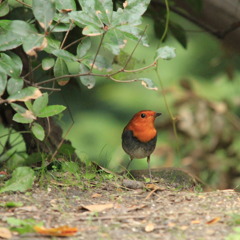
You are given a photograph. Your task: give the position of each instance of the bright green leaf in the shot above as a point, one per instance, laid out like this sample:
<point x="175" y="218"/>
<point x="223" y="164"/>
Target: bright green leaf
<point x="83" y="47"/>
<point x="11" y="204"/>
<point x="38" y="131"/>
<point x="3" y="83"/>
<point x="148" y="83"/>
<point x="17" y="117"/>
<point x="104" y="9"/>
<point x="25" y="94"/>
<point x="60" y="69"/>
<point x="44" y="11"/>
<point x="100" y="63"/>
<point x="166" y="53"/>
<point x="29" y="105"/>
<point x="22" y="179"/>
<point x="14" y="85"/>
<point x="65" y="5"/>
<point x="71" y="167"/>
<point x="4" y="8"/>
<point x="10" y="64"/>
<point x="91" y="30"/>
<point x="18" y="108"/>
<point x="87" y="80"/>
<point x="47" y="63"/>
<point x="34" y="43"/>
<point x="65" y="55"/>
<point x="50" y="111"/>
<point x="40" y="103"/>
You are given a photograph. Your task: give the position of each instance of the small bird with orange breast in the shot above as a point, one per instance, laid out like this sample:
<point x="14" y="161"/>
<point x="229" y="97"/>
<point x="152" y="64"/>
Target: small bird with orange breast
<point x="139" y="137"/>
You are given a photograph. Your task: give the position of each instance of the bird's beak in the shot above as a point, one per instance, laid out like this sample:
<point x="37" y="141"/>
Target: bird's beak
<point x="158" y="114"/>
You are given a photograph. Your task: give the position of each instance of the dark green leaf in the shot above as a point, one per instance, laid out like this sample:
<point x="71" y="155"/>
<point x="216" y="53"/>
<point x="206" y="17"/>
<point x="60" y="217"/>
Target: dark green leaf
<point x="40" y="103"/>
<point x="65" y="55"/>
<point x="14" y="85"/>
<point x="47" y="63"/>
<point x="18" y="108"/>
<point x="3" y="83"/>
<point x="34" y="43"/>
<point x="60" y="69"/>
<point x="13" y="32"/>
<point x="87" y="80"/>
<point x="166" y="53"/>
<point x="10" y="64"/>
<point x="179" y="33"/>
<point x="17" y="117"/>
<point x="148" y="83"/>
<point x="44" y="11"/>
<point x="4" y="8"/>
<point x="25" y="94"/>
<point x="11" y="204"/>
<point x="52" y="110"/>
<point x="38" y="131"/>
<point x="22" y="179"/>
<point x="66" y="149"/>
<point x="71" y="167"/>
<point x="65" y="5"/>
<point x="83" y="47"/>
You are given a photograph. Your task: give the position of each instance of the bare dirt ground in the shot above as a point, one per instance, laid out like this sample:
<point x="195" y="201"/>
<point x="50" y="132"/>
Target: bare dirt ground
<point x="106" y="210"/>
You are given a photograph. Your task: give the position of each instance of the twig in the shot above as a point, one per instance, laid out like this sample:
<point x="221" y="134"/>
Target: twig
<point x="98" y="49"/>
<point x="113" y="217"/>
<point x="23" y="3"/>
<point x="66" y="35"/>
<point x="135" y="47"/>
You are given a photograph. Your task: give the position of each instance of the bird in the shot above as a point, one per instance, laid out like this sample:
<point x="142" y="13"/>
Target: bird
<point x="139" y="137"/>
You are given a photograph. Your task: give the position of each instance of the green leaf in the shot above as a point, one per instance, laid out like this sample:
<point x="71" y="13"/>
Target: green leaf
<point x="10" y="64"/>
<point x="22" y="179"/>
<point x="13" y="32"/>
<point x="25" y="94"/>
<point x="40" y="103"/>
<point x="44" y="11"/>
<point x="82" y="18"/>
<point x="83" y="47"/>
<point x="91" y="30"/>
<point x="87" y="80"/>
<point x="48" y="63"/>
<point x="50" y="111"/>
<point x="53" y="44"/>
<point x="17" y="117"/>
<point x="114" y="41"/>
<point x="38" y="131"/>
<point x="4" y="8"/>
<point x="71" y="167"/>
<point x="60" y="69"/>
<point x="148" y="83"/>
<point x="18" y="108"/>
<point x="11" y="204"/>
<point x="100" y="63"/>
<point x="34" y="43"/>
<point x="104" y="9"/>
<point x="14" y="85"/>
<point x="65" y="5"/>
<point x="65" y="55"/>
<point x="179" y="33"/>
<point x="3" y="83"/>
<point x="166" y="53"/>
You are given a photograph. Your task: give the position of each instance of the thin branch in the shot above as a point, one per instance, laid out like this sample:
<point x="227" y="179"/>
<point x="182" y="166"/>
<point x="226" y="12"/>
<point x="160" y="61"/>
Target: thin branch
<point x="66" y="35"/>
<point x="135" y="47"/>
<point x="139" y="69"/>
<point x="76" y="41"/>
<point x="32" y="70"/>
<point x="98" y="49"/>
<point x="23" y="3"/>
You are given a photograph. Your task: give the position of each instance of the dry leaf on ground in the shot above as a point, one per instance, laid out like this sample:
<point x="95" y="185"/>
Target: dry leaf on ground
<point x="63" y="231"/>
<point x="97" y="207"/>
<point x="5" y="233"/>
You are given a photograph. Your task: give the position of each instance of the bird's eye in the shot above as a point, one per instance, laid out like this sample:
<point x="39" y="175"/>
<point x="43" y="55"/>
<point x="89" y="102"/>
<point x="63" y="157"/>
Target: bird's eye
<point x="143" y="115"/>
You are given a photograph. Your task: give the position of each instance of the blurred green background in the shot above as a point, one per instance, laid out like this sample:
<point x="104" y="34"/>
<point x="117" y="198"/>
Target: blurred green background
<point x="202" y="88"/>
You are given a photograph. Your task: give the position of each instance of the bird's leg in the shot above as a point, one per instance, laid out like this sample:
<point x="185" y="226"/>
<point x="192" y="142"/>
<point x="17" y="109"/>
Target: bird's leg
<point x="129" y="162"/>
<point x="149" y="169"/>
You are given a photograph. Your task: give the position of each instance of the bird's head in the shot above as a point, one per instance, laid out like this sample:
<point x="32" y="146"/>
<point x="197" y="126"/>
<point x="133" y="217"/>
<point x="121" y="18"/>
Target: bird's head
<point x="142" y="125"/>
